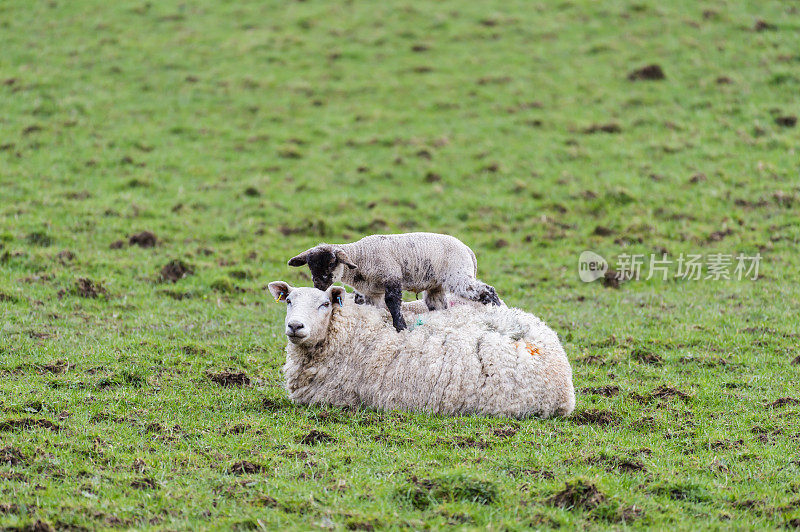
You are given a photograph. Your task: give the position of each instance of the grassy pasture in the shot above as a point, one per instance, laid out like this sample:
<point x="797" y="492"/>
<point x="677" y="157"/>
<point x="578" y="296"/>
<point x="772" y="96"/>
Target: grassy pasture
<point x="241" y="132"/>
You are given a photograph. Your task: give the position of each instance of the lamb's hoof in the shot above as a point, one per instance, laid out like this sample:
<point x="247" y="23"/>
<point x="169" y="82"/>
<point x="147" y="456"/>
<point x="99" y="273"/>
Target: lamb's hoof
<point x="490" y="297"/>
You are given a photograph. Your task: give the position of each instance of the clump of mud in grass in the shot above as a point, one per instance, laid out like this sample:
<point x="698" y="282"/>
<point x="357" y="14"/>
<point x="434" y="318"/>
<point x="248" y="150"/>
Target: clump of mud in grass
<point x="609" y="390"/>
<point x="611" y="127"/>
<point x="246" y="468"/>
<point x="57" y="366"/>
<point x="229" y="378"/>
<point x="784" y="401"/>
<point x="144" y="483"/>
<point x="578" y="494"/>
<point x="423" y="493"/>
<point x="647" y="73"/>
<point x="85" y="287"/>
<point x="315" y="437"/>
<point x="6" y="298"/>
<point x="12" y="456"/>
<point x="175" y="270"/>
<point x="645" y="356"/>
<point x="506" y="431"/>
<point x="595" y="417"/>
<point x="145" y="239"/>
<point x="612" y="279"/>
<point x="668" y="392"/>
<point x="65" y="256"/>
<point x="27" y="423"/>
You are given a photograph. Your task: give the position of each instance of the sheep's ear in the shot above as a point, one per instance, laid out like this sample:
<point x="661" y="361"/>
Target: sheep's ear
<point x="300" y="259"/>
<point x="279" y="290"/>
<point x="342" y="257"/>
<point x="337" y="295"/>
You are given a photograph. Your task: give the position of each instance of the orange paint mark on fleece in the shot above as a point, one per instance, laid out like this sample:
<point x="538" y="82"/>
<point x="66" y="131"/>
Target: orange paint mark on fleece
<point x="532" y="349"/>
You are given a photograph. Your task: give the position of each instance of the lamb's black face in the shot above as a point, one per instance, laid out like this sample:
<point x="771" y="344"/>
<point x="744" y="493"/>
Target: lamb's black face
<point x="322" y="264"/>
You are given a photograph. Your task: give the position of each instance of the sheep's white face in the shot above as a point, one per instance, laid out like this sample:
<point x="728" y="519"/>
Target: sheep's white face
<point x="308" y="310"/>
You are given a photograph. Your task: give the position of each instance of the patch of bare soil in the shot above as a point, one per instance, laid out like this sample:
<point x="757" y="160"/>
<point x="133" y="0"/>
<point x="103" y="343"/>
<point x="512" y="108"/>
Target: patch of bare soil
<point x="229" y="378"/>
<point x="27" y="423"/>
<point x="85" y="287"/>
<point x="7" y="298"/>
<point x="668" y="392"/>
<point x="717" y="236"/>
<point x="12" y="456"/>
<point x="315" y="437"/>
<point x="464" y="442"/>
<point x="506" y="431"/>
<point x="65" y="256"/>
<point x="578" y="494"/>
<point x="57" y="366"/>
<point x="647" y="73"/>
<point x="593" y="360"/>
<point x="784" y="401"/>
<point x="763" y="25"/>
<point x="612" y="279"/>
<point x="175" y="270"/>
<point x="144" y="483"/>
<point x="246" y="468"/>
<point x="645" y="356"/>
<point x="611" y="127"/>
<point x="145" y="239"/>
<point x="595" y="417"/>
<point x="602" y="230"/>
<point x="609" y="390"/>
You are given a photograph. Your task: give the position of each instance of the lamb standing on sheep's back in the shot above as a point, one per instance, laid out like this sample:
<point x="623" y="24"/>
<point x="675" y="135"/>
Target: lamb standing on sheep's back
<point x="380" y="267"/>
<point x="464" y="360"/>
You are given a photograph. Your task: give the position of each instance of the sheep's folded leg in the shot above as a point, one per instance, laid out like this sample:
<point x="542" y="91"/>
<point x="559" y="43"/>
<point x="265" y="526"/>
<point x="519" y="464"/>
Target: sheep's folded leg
<point x="394" y="302"/>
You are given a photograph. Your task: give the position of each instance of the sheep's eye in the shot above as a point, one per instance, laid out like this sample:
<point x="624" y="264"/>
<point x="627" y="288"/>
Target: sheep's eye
<point x="325" y="305"/>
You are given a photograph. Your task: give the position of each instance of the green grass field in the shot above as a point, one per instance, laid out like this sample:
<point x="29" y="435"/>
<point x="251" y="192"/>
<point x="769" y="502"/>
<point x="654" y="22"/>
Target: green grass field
<point x="242" y="132"/>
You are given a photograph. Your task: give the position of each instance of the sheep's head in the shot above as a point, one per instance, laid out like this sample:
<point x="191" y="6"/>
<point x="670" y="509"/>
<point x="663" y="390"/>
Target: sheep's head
<point x="326" y="263"/>
<point x="308" y="310"/>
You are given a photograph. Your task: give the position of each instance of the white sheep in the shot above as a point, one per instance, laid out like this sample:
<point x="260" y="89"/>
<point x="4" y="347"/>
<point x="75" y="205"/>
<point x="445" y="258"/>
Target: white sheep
<point x="463" y="360"/>
<point x="381" y="266"/>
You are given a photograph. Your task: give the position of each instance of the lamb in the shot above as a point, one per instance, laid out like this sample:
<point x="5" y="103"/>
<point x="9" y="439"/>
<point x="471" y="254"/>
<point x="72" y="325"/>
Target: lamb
<point x="483" y="360"/>
<point x="381" y="266"/>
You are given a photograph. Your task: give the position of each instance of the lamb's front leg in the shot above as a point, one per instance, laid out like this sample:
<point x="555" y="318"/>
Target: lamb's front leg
<point x="393" y="296"/>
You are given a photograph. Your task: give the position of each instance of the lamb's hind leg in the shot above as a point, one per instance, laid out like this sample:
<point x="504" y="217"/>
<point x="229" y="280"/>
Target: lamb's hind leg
<point x="476" y="290"/>
<point x="436" y="299"/>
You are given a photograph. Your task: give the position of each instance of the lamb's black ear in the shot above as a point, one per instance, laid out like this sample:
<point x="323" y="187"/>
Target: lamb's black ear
<point x="300" y="259"/>
<point x="337" y="295"/>
<point x="342" y="257"/>
<point x="279" y="290"/>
